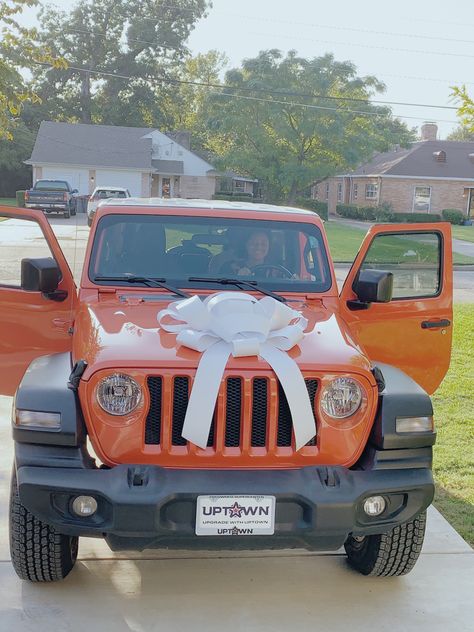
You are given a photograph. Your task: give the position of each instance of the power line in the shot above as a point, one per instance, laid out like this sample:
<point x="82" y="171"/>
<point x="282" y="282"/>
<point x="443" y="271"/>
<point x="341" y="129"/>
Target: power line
<point x="388" y="48"/>
<point x="335" y="27"/>
<point x="269" y="91"/>
<point x="228" y="95"/>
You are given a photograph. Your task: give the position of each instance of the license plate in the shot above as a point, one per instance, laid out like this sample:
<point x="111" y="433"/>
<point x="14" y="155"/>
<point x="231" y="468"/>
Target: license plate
<point x="235" y="515"/>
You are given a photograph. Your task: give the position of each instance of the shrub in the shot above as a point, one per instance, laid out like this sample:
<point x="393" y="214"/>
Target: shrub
<point x="453" y="216"/>
<point x="415" y="218"/>
<point x="321" y="208"/>
<point x="362" y="213"/>
<point x="238" y="197"/>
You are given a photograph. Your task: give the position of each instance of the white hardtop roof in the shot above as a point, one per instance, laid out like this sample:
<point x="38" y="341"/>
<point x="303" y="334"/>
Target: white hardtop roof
<point x="205" y="204"/>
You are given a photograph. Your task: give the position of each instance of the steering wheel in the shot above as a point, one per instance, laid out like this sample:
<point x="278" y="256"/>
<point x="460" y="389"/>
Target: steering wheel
<point x="268" y="267"/>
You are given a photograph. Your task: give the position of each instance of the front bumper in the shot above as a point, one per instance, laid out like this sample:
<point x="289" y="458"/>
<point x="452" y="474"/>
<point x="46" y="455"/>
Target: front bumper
<point x="151" y="507"/>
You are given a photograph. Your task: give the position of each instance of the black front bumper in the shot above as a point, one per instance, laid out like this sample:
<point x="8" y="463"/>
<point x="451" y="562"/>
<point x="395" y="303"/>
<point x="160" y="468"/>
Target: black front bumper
<point x="151" y="507"/>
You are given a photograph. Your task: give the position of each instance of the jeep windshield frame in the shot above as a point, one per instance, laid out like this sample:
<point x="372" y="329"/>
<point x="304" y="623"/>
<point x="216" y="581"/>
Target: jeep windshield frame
<point x="293" y="257"/>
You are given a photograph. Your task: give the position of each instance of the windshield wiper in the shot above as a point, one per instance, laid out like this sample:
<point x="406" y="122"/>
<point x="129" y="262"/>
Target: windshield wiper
<point x="148" y="281"/>
<point x="250" y="285"/>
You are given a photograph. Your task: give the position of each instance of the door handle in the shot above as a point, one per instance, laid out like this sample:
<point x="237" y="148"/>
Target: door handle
<point x="435" y="324"/>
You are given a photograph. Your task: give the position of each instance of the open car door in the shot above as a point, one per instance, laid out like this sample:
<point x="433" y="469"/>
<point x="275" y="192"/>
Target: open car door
<point x="32" y="322"/>
<point x="413" y="330"/>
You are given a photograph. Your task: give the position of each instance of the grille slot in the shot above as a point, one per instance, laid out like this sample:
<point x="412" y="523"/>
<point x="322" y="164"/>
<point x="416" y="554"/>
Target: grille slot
<point x="180" y="405"/>
<point x="233" y="412"/>
<point x="285" y="426"/>
<point x="259" y="412"/>
<point x="153" y="420"/>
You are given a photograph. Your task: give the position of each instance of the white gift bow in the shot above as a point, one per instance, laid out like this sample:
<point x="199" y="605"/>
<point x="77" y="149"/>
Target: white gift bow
<point x="237" y="323"/>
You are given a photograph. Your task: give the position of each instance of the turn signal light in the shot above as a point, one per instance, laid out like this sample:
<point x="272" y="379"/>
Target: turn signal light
<point x="36" y="419"/>
<point x="414" y="424"/>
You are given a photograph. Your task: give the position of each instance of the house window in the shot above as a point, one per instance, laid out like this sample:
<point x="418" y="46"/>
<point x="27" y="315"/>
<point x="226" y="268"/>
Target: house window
<point x="355" y="191"/>
<point x="339" y="191"/>
<point x="327" y="190"/>
<point x="422" y="199"/>
<point x="371" y="191"/>
<point x="315" y="192"/>
<point x="239" y="185"/>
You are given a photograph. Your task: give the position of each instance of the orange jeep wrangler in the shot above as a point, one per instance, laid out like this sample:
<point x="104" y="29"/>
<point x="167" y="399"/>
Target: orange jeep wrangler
<point x="208" y="387"/>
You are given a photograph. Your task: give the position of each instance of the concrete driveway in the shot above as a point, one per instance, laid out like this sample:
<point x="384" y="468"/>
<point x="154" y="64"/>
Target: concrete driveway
<point x="288" y="591"/>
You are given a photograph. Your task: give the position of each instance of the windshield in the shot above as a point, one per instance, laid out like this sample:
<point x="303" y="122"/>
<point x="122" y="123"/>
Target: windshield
<point x="278" y="255"/>
<point x="109" y="193"/>
<point x="51" y="185"/>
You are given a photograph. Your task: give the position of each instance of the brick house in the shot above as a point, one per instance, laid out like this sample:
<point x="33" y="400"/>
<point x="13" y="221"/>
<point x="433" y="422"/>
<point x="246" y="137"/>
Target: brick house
<point x="429" y="176"/>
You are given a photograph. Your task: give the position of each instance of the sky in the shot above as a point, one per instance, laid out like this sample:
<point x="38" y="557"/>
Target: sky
<point x="419" y="49"/>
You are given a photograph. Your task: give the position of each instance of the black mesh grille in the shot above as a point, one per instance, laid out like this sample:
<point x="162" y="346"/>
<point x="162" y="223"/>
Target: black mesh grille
<point x="180" y="404"/>
<point x="259" y="412"/>
<point x="312" y="387"/>
<point x="153" y="420"/>
<point x="233" y="412"/>
<point x="284" y="419"/>
<point x="284" y="416"/>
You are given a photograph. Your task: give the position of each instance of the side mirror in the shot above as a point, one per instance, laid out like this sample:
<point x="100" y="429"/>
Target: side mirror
<point x="74" y="191"/>
<point x="41" y="275"/>
<point x="372" y="286"/>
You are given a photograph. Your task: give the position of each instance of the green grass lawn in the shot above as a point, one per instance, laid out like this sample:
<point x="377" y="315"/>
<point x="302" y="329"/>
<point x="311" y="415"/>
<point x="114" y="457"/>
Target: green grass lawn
<point x="454" y="418"/>
<point x="8" y="201"/>
<point x="344" y="242"/>
<point x="464" y="232"/>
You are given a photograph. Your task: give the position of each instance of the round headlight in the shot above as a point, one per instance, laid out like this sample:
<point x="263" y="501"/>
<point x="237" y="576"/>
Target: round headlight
<point x="341" y="398"/>
<point x="118" y="394"/>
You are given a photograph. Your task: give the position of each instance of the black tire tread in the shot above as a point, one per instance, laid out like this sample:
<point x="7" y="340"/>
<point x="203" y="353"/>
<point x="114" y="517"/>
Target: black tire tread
<point x="389" y="554"/>
<point x="39" y="553"/>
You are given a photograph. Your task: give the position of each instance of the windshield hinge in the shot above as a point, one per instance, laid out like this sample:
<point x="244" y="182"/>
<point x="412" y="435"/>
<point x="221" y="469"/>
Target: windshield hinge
<point x="76" y="374"/>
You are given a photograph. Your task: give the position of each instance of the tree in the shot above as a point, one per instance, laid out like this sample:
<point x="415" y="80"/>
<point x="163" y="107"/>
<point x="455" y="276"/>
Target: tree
<point x="461" y="133"/>
<point x="117" y="51"/>
<point x="465" y="112"/>
<point x="19" y="49"/>
<point x="282" y="120"/>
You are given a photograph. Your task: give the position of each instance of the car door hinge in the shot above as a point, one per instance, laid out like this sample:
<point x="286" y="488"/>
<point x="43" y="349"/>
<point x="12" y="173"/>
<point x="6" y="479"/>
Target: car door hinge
<point x="63" y="325"/>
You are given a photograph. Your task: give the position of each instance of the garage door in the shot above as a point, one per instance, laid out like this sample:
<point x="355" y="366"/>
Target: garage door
<point x="131" y="180"/>
<point x="77" y="178"/>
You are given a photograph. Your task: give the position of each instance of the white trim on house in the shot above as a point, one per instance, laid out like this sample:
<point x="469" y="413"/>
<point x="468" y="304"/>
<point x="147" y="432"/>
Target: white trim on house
<point x="57" y="164"/>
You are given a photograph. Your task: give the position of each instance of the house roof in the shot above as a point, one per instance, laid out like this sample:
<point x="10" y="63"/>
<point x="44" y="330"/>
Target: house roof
<point x="101" y="146"/>
<point x="92" y="145"/>
<point x="419" y="160"/>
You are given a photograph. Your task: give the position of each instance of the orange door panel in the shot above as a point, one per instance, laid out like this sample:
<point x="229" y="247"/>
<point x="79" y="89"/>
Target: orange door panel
<point x="413" y="331"/>
<point x="31" y="325"/>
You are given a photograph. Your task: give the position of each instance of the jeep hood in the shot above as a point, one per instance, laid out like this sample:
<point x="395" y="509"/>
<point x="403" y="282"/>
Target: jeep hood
<point x="119" y="334"/>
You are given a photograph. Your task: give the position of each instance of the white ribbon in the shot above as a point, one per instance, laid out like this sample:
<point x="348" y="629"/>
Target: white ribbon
<point x="237" y="323"/>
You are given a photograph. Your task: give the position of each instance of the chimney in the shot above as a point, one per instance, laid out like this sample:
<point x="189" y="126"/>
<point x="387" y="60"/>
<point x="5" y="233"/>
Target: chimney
<point x="429" y="131"/>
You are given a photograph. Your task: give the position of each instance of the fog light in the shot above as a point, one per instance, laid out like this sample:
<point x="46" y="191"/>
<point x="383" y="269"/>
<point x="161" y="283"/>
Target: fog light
<point x="374" y="505"/>
<point x="84" y="506"/>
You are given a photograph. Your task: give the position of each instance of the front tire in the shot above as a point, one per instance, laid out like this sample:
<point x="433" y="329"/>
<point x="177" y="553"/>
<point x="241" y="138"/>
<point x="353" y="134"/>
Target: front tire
<point x="388" y="554"/>
<point x="66" y="215"/>
<point x="39" y="553"/>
